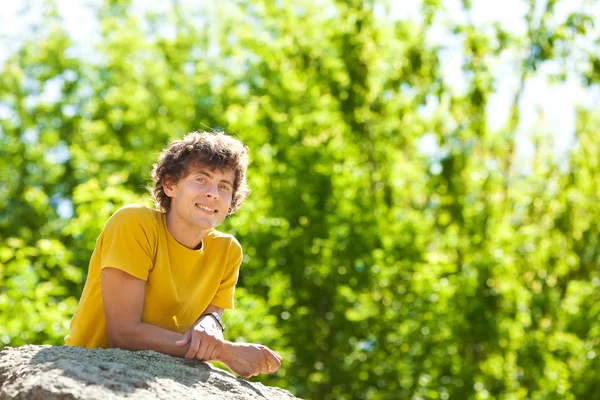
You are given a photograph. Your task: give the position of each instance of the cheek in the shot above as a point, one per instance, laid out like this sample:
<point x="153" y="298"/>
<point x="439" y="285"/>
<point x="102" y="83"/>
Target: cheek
<point x="227" y="201"/>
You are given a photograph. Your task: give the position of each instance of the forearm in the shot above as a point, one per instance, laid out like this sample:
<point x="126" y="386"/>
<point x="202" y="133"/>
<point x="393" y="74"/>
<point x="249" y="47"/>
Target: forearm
<point x="143" y="336"/>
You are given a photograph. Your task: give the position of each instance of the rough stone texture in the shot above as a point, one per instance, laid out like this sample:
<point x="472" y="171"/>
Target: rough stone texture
<point x="47" y="372"/>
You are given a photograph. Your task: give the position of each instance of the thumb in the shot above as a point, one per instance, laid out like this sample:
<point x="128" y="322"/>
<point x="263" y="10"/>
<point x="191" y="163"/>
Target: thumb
<point x="185" y="340"/>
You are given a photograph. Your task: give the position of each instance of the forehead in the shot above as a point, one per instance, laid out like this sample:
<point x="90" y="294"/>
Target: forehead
<point x="221" y="173"/>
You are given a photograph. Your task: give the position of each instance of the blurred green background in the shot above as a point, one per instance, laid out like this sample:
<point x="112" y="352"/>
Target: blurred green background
<point x="424" y="222"/>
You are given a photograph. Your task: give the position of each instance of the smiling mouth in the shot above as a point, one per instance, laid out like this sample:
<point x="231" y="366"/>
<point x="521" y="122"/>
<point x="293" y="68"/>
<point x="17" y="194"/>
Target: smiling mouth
<point x="207" y="209"/>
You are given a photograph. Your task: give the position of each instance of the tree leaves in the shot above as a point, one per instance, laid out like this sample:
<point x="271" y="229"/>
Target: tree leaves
<point x="379" y="264"/>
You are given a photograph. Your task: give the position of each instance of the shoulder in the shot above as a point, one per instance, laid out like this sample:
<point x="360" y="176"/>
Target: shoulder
<point x="135" y="211"/>
<point x="135" y="215"/>
<point x="226" y="240"/>
<point x="228" y="246"/>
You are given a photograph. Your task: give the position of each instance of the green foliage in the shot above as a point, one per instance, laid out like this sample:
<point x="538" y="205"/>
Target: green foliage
<point x="376" y="270"/>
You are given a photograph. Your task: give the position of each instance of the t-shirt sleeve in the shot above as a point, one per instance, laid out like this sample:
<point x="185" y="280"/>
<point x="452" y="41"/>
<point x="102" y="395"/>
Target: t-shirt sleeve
<point x="127" y="242"/>
<point x="224" y="296"/>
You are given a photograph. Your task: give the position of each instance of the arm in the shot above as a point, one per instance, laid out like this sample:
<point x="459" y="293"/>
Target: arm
<point x="123" y="299"/>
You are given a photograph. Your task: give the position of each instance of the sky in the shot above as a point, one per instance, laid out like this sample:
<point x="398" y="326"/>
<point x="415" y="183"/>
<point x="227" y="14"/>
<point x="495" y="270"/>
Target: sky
<point x="545" y="107"/>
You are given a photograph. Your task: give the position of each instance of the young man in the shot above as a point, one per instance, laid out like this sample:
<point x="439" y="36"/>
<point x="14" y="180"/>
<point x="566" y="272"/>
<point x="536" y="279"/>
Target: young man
<point x="160" y="279"/>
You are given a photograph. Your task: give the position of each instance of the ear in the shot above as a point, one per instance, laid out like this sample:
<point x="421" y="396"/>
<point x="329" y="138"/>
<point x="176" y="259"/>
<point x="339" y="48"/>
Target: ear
<point x="168" y="186"/>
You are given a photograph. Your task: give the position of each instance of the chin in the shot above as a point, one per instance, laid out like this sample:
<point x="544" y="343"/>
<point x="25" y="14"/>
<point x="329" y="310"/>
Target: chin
<point x="205" y="224"/>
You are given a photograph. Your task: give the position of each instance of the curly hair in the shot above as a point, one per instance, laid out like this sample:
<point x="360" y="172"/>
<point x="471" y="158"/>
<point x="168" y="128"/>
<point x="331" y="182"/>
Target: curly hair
<point x="214" y="150"/>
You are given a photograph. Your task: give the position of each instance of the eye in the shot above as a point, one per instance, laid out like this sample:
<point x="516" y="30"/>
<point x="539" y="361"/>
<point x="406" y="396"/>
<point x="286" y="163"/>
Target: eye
<point x="225" y="187"/>
<point x="201" y="179"/>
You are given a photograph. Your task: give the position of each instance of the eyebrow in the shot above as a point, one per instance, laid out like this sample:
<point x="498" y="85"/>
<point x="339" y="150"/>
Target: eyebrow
<point x="203" y="172"/>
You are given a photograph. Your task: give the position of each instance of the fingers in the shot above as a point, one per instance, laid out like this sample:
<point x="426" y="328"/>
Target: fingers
<point x="205" y="351"/>
<point x="272" y="358"/>
<point x="185" y="340"/>
<point x="252" y="359"/>
<point x="203" y="345"/>
<point x="210" y="349"/>
<point x="263" y="366"/>
<point x="214" y="353"/>
<point x="255" y="370"/>
<point x="194" y="347"/>
<point x="267" y="357"/>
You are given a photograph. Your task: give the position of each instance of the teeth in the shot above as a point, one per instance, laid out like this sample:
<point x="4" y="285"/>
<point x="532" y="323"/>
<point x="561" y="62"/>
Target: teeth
<point x="205" y="208"/>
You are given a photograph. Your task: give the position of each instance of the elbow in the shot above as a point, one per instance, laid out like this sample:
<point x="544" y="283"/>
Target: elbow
<point x="114" y="342"/>
<point x="120" y="339"/>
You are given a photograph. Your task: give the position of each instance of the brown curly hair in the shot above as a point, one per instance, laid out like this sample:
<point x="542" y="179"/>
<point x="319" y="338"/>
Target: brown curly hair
<point x="214" y="150"/>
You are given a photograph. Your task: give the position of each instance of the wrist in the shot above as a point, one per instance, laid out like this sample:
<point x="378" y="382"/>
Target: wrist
<point x="226" y="352"/>
<point x="216" y="318"/>
<point x="209" y="326"/>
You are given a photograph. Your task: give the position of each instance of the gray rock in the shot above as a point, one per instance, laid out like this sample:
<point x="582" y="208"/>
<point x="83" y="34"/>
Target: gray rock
<point x="49" y="372"/>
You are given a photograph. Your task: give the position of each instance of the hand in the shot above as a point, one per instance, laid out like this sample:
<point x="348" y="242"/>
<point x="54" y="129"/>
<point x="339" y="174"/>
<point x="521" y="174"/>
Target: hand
<point x="249" y="359"/>
<point x="206" y="340"/>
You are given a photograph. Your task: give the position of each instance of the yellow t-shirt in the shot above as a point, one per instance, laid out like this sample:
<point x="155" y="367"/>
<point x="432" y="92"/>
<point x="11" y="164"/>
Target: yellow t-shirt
<point x="180" y="282"/>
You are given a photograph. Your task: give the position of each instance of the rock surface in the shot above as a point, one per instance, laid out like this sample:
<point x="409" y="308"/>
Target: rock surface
<point x="47" y="372"/>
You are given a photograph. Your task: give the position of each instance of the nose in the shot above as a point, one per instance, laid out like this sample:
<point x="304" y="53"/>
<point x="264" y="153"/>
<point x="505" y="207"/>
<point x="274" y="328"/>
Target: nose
<point x="212" y="192"/>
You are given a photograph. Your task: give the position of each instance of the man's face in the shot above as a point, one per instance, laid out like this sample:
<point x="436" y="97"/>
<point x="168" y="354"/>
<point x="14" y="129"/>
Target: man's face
<point x="201" y="200"/>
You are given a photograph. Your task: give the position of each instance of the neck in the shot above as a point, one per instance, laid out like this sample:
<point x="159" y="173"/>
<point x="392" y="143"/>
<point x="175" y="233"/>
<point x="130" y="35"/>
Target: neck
<point x="183" y="233"/>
